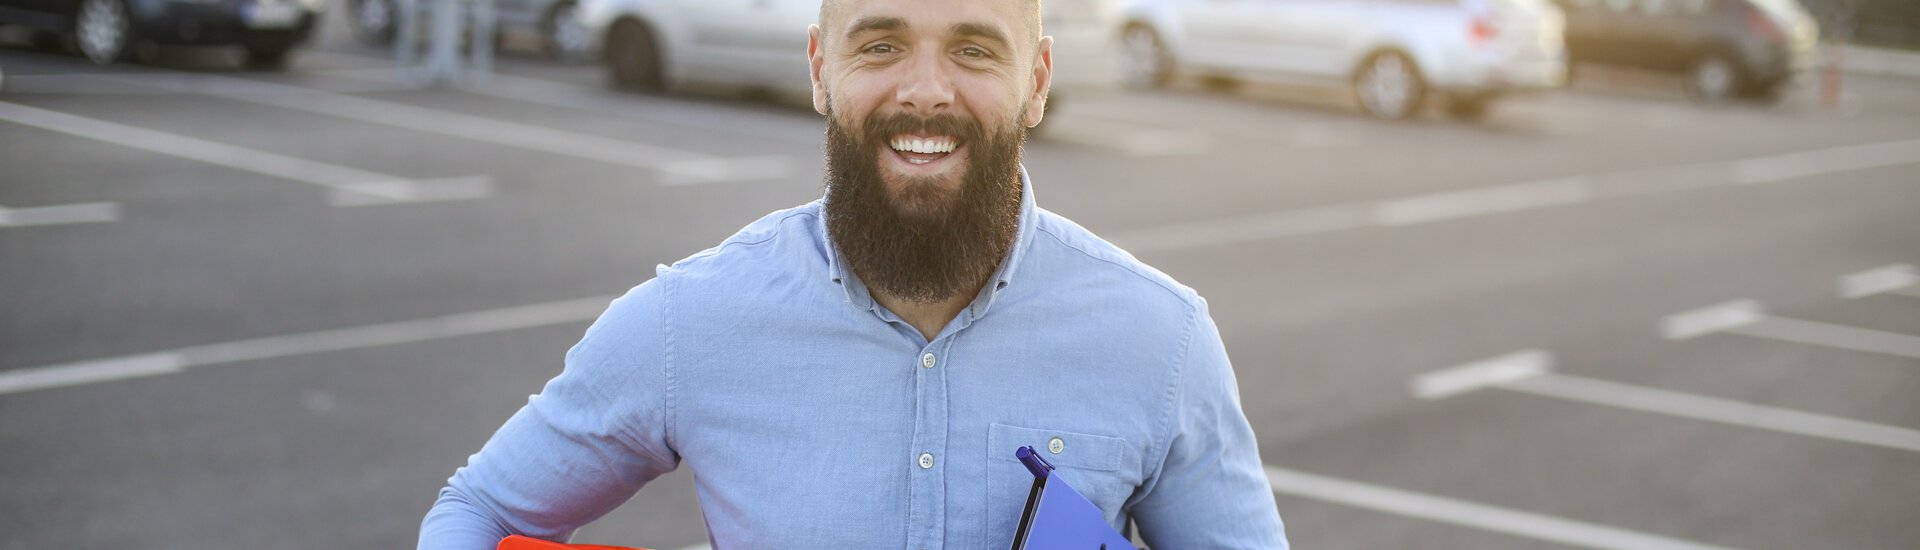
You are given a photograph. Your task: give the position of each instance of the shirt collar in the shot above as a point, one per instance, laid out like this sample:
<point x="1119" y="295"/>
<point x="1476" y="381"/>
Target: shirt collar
<point x="1022" y="238"/>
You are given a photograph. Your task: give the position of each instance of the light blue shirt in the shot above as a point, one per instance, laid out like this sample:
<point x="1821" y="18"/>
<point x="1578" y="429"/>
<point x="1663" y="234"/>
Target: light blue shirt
<point x="812" y="417"/>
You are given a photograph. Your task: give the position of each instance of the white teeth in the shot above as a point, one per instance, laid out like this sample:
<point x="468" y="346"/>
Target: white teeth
<point x="923" y="146"/>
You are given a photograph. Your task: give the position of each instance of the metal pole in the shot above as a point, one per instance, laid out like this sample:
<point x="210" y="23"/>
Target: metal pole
<point x="404" y="41"/>
<point x="482" y="47"/>
<point x="443" y="56"/>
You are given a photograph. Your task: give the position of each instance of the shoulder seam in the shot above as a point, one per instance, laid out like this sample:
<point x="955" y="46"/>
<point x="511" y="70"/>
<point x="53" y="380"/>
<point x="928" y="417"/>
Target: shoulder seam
<point x="737" y="239"/>
<point x="1168" y="285"/>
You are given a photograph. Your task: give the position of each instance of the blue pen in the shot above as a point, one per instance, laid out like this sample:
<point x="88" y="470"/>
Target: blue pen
<point x="1039" y="466"/>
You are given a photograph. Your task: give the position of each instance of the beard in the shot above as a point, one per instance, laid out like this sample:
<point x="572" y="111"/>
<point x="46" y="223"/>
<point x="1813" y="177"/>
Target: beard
<point x="922" y="239"/>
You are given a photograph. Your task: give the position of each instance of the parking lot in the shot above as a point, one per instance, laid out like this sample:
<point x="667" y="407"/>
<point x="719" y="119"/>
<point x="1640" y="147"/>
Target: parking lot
<point x="276" y="310"/>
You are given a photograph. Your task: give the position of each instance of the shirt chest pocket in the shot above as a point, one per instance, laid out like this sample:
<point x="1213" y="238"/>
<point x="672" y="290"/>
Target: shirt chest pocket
<point x="1099" y="467"/>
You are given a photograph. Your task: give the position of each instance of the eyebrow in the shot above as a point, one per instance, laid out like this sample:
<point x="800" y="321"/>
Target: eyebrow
<point x="978" y="30"/>
<point x="875" y="24"/>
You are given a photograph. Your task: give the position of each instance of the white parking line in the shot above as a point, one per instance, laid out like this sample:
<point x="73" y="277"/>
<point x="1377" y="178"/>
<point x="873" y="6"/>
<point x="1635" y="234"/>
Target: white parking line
<point x="1305" y="221"/>
<point x="90" y="212"/>
<point x="1745" y="318"/>
<point x="1469" y="514"/>
<point x="1480" y="374"/>
<point x="1518" y="197"/>
<point x="1724" y="411"/>
<point x="1894" y="279"/>
<point x="676" y="167"/>
<point x="1480" y="202"/>
<point x="1126" y="138"/>
<point x="656" y="110"/>
<point x="384" y="334"/>
<point x="156" y="83"/>
<point x="351" y="187"/>
<point x="1530" y="372"/>
<point x="1833" y="336"/>
<point x="1788" y="166"/>
<point x="1711" y="319"/>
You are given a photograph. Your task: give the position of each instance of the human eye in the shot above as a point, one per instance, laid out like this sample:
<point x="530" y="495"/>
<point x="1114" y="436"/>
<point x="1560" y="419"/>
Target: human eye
<point x="975" y="52"/>
<point x="881" y="48"/>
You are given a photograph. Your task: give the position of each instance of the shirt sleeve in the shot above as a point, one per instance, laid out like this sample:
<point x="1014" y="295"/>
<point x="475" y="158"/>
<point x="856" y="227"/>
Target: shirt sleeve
<point x="1210" y="490"/>
<point x="582" y="446"/>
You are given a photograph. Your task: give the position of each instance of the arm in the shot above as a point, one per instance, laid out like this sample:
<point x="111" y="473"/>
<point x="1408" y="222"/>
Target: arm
<point x="1210" y="490"/>
<point x="578" y="449"/>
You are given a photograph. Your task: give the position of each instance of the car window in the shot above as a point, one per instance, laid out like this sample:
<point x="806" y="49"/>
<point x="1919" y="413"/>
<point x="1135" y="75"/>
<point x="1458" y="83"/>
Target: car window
<point x="1529" y="5"/>
<point x="1657" y="7"/>
<point x="1781" y="10"/>
<point x="1642" y="7"/>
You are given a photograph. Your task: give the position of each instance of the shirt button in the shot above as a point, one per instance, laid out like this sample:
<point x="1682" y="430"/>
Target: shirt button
<point x="927" y="361"/>
<point x="1056" y="445"/>
<point x="926" y="460"/>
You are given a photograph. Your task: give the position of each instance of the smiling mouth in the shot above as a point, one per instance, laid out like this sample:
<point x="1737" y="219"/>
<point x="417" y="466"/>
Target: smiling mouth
<point x="920" y="150"/>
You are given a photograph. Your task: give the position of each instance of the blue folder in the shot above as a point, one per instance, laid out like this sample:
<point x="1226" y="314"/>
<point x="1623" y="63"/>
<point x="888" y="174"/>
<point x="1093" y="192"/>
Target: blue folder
<point x="1057" y="517"/>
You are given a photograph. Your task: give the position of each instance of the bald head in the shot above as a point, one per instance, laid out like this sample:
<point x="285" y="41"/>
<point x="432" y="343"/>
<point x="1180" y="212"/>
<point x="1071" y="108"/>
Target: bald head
<point x="832" y="15"/>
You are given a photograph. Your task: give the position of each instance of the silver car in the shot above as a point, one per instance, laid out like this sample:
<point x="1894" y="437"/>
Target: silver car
<point x="1393" y="54"/>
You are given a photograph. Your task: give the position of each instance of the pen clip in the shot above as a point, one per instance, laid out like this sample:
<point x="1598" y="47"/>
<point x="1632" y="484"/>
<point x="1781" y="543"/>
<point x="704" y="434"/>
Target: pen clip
<point x="1039" y="466"/>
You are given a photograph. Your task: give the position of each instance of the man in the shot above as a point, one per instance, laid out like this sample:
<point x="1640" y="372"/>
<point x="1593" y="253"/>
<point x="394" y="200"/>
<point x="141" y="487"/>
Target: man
<point x="858" y="372"/>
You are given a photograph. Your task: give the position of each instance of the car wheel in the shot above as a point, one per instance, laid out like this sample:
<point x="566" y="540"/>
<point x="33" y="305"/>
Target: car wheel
<point x="1468" y="106"/>
<point x="1144" y="62"/>
<point x="373" y="21"/>
<point x="104" y="30"/>
<point x="1389" y="86"/>
<point x="1714" y="78"/>
<point x="633" y="59"/>
<point x="561" y="35"/>
<point x="267" y="55"/>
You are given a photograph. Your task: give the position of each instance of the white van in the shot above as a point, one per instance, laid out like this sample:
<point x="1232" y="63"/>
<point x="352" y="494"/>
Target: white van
<point x="1392" y="53"/>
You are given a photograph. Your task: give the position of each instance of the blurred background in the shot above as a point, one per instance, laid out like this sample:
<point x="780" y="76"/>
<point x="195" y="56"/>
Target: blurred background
<point x="1493" y="273"/>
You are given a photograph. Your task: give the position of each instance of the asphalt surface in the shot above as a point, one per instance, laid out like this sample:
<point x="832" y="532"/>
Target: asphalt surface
<point x="1344" y="258"/>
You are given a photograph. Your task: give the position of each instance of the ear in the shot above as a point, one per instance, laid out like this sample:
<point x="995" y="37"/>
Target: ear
<point x="1042" y="82"/>
<point x="816" y="58"/>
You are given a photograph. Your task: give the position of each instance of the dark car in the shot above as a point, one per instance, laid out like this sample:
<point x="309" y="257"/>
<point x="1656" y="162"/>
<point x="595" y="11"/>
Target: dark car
<point x="1726" y="48"/>
<point x="111" y="30"/>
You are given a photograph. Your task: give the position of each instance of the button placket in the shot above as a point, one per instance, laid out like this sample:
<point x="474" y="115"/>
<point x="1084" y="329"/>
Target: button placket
<point x="928" y="481"/>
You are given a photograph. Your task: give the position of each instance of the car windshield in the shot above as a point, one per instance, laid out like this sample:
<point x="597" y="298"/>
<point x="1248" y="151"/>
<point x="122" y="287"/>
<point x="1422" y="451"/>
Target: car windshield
<point x="1782" y="10"/>
<point x="1519" y="8"/>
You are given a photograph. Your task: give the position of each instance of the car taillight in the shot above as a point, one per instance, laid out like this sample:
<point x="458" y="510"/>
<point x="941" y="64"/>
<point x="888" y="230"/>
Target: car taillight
<point x="1482" y="31"/>
<point x="1763" y="27"/>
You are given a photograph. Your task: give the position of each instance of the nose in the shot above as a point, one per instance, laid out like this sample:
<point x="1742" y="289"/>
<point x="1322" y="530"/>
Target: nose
<point x="927" y="89"/>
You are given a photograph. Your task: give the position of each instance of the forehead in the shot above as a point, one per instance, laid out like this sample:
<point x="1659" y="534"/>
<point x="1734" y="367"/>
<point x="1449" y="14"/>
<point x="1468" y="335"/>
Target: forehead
<point x="838" y="17"/>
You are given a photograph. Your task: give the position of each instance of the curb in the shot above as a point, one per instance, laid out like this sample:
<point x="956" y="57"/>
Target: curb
<point x="1868" y="60"/>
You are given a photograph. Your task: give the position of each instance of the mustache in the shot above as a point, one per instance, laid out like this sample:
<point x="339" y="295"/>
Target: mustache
<point x="881" y="128"/>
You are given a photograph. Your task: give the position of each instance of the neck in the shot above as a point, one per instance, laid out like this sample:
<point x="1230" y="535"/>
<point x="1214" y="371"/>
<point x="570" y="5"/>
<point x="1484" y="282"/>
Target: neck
<point x="927" y="317"/>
